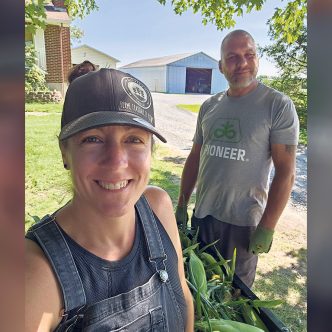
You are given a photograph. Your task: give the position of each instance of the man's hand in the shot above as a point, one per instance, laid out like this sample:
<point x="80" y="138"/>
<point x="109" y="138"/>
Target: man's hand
<point x="261" y="240"/>
<point x="181" y="215"/>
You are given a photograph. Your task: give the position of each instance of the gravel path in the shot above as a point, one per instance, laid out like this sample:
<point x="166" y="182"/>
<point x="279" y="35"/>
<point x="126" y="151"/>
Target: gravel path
<point x="179" y="135"/>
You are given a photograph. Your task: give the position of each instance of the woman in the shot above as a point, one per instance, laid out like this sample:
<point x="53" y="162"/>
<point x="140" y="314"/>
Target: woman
<point x="111" y="259"/>
<point x="80" y="69"/>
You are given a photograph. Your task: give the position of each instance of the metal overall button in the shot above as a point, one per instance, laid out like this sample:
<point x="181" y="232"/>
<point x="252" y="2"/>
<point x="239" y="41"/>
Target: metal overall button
<point x="163" y="275"/>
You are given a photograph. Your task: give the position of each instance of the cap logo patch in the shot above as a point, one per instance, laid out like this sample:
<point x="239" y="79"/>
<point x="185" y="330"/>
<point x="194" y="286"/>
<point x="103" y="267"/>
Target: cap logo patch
<point x="136" y="91"/>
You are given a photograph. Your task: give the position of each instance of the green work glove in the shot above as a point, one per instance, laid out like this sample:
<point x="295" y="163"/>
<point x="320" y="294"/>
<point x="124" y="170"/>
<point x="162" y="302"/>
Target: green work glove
<point x="181" y="215"/>
<point x="261" y="240"/>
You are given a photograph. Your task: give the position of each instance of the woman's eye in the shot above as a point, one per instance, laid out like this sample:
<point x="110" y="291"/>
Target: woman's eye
<point x="91" y="139"/>
<point x="134" y="139"/>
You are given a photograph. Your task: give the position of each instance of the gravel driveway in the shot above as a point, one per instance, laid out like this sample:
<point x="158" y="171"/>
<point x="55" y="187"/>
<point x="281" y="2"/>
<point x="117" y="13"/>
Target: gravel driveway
<point x="178" y="126"/>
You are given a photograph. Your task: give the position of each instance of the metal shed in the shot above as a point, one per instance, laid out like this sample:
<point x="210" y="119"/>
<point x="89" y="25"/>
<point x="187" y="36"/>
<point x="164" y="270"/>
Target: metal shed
<point x="180" y="73"/>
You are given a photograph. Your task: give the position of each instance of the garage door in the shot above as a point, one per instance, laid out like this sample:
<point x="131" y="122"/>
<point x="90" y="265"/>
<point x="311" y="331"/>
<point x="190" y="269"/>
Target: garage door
<point x="198" y="80"/>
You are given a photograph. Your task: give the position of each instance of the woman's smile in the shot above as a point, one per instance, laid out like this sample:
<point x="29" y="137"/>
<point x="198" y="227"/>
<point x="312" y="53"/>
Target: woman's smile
<point x="113" y="186"/>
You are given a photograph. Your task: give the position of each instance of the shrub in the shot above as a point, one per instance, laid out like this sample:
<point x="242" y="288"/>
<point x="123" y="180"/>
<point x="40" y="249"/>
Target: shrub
<point x="34" y="76"/>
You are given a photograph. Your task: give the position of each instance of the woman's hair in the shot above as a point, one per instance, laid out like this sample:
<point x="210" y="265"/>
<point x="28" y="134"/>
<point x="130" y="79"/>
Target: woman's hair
<point x="80" y="69"/>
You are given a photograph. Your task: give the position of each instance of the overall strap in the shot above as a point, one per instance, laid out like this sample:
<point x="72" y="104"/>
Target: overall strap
<point x="56" y="249"/>
<point x="151" y="232"/>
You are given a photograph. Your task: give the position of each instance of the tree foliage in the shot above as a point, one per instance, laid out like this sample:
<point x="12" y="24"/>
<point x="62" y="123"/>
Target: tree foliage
<point x="288" y="21"/>
<point x="290" y="56"/>
<point x="291" y="59"/>
<point x="220" y="13"/>
<point x="75" y="33"/>
<point x="35" y="15"/>
<point x="287" y="24"/>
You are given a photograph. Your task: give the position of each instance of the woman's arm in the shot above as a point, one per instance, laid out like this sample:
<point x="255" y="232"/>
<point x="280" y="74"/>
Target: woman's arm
<point x="162" y="206"/>
<point x="43" y="299"/>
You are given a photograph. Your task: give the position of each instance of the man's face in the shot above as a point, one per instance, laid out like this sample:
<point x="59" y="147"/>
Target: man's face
<point x="239" y="61"/>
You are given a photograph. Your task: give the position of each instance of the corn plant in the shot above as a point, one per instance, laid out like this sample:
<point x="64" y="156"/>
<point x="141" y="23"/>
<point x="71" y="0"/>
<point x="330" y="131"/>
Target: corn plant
<point x="218" y="305"/>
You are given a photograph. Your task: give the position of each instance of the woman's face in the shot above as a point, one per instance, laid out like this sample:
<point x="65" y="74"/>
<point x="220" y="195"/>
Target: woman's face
<point x="110" y="167"/>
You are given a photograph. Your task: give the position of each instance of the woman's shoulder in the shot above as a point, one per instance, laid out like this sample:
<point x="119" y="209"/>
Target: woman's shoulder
<point x="157" y="198"/>
<point x="162" y="206"/>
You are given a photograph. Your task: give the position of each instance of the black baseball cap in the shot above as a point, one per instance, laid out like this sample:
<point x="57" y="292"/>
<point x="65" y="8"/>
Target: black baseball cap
<point x="107" y="97"/>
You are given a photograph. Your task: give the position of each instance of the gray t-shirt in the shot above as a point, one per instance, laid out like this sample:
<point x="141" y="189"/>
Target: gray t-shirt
<point x="236" y="134"/>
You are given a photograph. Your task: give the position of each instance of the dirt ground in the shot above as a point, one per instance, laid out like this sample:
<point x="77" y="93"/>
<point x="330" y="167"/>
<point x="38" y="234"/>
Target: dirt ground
<point x="293" y="218"/>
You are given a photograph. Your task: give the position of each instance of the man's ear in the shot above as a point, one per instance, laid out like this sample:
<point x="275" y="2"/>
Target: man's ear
<point x="220" y="66"/>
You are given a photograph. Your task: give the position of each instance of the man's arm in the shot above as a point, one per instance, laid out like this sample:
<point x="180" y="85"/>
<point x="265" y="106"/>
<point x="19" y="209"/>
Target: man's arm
<point x="284" y="159"/>
<point x="284" y="162"/>
<point x="189" y="175"/>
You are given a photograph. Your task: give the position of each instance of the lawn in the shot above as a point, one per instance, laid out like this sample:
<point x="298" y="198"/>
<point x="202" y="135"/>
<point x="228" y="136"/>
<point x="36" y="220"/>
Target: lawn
<point x="45" y="108"/>
<point x="281" y="273"/>
<point x="189" y="107"/>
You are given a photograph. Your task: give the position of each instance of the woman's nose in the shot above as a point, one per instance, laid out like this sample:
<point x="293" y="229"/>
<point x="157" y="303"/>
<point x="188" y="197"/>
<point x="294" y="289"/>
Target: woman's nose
<point x="114" y="156"/>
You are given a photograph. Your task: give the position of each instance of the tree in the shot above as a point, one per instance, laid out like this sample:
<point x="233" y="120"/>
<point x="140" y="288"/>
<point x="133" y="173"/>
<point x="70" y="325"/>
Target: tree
<point x="76" y="34"/>
<point x="222" y="13"/>
<point x="288" y="22"/>
<point x="35" y="11"/>
<point x="290" y="57"/>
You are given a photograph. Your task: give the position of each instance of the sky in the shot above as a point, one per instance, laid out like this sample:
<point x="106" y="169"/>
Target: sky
<point x="132" y="30"/>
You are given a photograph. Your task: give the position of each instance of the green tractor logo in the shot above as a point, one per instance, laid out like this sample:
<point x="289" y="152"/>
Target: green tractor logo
<point x="226" y="130"/>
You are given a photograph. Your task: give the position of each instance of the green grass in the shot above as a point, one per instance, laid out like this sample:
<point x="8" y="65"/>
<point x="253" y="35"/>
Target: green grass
<point x="47" y="108"/>
<point x="281" y="274"/>
<point x="46" y="184"/>
<point x="303" y="139"/>
<point x="189" y="107"/>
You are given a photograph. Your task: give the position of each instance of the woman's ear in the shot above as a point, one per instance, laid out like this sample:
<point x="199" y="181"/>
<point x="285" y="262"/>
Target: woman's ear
<point x="63" y="150"/>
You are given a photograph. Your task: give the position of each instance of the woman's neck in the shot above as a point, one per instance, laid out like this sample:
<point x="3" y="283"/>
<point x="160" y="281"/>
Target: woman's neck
<point x="107" y="237"/>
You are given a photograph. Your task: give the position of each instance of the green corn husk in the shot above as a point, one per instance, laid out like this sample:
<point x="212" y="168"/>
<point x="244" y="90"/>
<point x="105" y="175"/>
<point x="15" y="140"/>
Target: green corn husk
<point x="266" y="303"/>
<point x="223" y="325"/>
<point x="218" y="306"/>
<point x="198" y="279"/>
<point x="197" y="273"/>
<point x="251" y="317"/>
<point x="185" y="241"/>
<point x="212" y="264"/>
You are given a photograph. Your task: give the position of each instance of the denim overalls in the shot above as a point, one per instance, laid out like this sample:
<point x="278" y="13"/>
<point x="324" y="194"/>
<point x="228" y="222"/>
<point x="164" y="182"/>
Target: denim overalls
<point x="150" y="307"/>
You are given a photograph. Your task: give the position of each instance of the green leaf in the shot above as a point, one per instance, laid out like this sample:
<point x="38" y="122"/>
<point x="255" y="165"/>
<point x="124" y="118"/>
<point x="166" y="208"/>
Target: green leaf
<point x="266" y="304"/>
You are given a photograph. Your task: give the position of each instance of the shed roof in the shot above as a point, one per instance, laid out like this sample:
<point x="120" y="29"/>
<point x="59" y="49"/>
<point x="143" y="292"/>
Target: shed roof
<point x="95" y="50"/>
<point x="165" y="60"/>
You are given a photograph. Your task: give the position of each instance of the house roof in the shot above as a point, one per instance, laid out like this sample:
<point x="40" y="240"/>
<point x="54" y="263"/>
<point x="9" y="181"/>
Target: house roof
<point x="165" y="60"/>
<point x="56" y="14"/>
<point x="94" y="49"/>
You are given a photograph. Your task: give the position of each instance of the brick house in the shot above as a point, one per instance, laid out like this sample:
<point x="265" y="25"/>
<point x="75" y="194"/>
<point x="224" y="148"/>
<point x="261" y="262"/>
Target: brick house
<point x="53" y="45"/>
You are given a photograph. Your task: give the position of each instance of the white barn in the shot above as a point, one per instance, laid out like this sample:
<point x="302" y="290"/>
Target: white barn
<point x="180" y="73"/>
<point x="98" y="58"/>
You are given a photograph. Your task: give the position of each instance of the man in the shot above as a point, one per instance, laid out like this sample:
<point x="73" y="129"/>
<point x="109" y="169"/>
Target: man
<point x="239" y="134"/>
